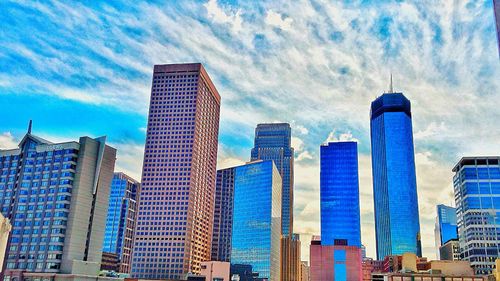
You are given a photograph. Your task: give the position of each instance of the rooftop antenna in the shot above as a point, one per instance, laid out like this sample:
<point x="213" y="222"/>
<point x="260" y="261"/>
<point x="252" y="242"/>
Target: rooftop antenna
<point x="391" y="90"/>
<point x="29" y="126"/>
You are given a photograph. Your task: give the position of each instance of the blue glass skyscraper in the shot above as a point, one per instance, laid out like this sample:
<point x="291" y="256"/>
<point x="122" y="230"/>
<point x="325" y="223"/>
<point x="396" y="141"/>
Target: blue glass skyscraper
<point x="223" y="215"/>
<point x="446" y="225"/>
<point x="273" y="142"/>
<point x="477" y="196"/>
<point x="397" y="223"/>
<point x="120" y="221"/>
<point x="339" y="197"/>
<point x="257" y="218"/>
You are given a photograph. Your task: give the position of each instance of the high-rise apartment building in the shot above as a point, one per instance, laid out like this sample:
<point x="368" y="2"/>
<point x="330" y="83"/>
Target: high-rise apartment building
<point x="397" y="224"/>
<point x="55" y="195"/>
<point x="223" y="215"/>
<point x="339" y="194"/>
<point x="120" y="222"/>
<point x="273" y="142"/>
<point x="257" y="218"/>
<point x="477" y="197"/>
<point x="176" y="202"/>
<point x="445" y="228"/>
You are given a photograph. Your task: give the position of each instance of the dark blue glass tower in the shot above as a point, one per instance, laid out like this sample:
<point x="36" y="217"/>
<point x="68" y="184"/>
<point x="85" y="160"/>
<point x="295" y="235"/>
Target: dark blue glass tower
<point x="446" y="225"/>
<point x="273" y="142"/>
<point x="397" y="223"/>
<point x="339" y="197"/>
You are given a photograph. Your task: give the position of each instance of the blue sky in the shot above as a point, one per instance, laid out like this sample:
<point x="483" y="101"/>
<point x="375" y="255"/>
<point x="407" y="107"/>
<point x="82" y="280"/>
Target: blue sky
<point x="84" y="68"/>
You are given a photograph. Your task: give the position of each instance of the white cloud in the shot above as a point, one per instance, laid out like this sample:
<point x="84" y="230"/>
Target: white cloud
<point x="347" y="136"/>
<point x="276" y="19"/>
<point x="7" y="141"/>
<point x="218" y="15"/>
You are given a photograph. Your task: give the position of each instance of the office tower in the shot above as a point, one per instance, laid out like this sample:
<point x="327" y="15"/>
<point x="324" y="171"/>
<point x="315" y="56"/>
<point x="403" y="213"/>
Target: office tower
<point x="397" y="223"/>
<point x="273" y="142"/>
<point x="223" y="215"/>
<point x="334" y="262"/>
<point x="304" y="271"/>
<point x="450" y="250"/>
<point x="120" y="221"/>
<point x="176" y="202"/>
<point x="446" y="226"/>
<point x="257" y="218"/>
<point x="55" y="195"/>
<point x="477" y="196"/>
<point x="290" y="247"/>
<point x="496" y="10"/>
<point x="339" y="194"/>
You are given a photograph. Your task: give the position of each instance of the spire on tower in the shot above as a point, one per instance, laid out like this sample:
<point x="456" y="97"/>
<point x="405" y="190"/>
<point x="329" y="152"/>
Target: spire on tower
<point x="29" y="126"/>
<point x="391" y="90"/>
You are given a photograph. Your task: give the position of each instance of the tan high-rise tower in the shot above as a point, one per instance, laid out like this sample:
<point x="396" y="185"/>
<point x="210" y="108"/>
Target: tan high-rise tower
<point x="176" y="202"/>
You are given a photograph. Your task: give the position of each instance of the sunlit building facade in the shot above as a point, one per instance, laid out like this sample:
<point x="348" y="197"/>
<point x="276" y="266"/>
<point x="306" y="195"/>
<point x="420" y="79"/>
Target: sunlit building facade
<point x="176" y="202"/>
<point x="120" y="222"/>
<point x="397" y="223"/>
<point x="55" y="195"/>
<point x="339" y="194"/>
<point x="257" y="218"/>
<point x="477" y="197"/>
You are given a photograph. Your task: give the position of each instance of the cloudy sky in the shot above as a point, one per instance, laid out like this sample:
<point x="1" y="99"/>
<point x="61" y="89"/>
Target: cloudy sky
<point x="85" y="67"/>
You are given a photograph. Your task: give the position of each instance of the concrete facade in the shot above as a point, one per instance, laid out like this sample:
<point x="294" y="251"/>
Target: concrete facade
<point x="215" y="270"/>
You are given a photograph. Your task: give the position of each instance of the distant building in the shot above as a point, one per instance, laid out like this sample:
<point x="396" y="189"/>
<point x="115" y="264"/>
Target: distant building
<point x="397" y="223"/>
<point x="450" y="250"/>
<point x="334" y="262"/>
<point x="5" y="228"/>
<point x="445" y="227"/>
<point x="110" y="262"/>
<point x="215" y="270"/>
<point x="223" y="215"/>
<point x="120" y="221"/>
<point x="257" y="218"/>
<point x="55" y="195"/>
<point x="176" y="200"/>
<point x="304" y="271"/>
<point x="339" y="194"/>
<point x="477" y="197"/>
<point x="273" y="142"/>
<point x="290" y="271"/>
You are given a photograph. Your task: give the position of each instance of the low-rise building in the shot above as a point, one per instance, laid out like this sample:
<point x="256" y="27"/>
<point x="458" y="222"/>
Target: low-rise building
<point x="215" y="270"/>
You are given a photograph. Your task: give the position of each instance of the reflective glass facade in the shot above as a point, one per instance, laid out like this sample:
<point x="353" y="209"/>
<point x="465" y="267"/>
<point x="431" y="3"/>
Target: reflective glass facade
<point x="397" y="223"/>
<point x="257" y="218"/>
<point x="273" y="142"/>
<point x="120" y="221"/>
<point x="339" y="194"/>
<point x="223" y="215"/>
<point x="477" y="196"/>
<point x="446" y="225"/>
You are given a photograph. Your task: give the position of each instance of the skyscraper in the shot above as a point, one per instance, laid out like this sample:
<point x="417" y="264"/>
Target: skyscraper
<point x="273" y="142"/>
<point x="445" y="228"/>
<point x="257" y="218"/>
<point x="176" y="201"/>
<point x="290" y="247"/>
<point x="339" y="194"/>
<point x="223" y="215"/>
<point x="120" y="221"/>
<point x="55" y="195"/>
<point x="397" y="222"/>
<point x="477" y="197"/>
